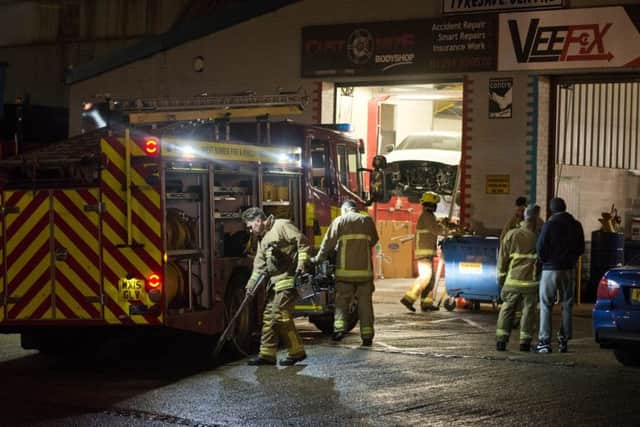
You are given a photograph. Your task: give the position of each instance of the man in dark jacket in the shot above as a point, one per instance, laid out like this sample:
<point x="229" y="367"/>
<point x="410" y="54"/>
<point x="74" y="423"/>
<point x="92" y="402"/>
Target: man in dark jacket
<point x="559" y="245"/>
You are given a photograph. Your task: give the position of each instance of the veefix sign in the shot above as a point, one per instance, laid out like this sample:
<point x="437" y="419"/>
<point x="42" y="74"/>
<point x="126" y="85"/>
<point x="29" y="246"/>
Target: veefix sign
<point x="576" y="38"/>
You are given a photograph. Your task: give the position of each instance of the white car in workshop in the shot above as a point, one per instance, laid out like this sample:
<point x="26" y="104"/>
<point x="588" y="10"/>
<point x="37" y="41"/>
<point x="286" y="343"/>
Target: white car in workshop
<point x="425" y="161"/>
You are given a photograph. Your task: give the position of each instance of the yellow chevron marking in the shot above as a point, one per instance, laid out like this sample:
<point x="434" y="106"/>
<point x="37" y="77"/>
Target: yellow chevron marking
<point x="109" y="233"/>
<point x="77" y="282"/>
<point x="26" y="256"/>
<point x="109" y="317"/>
<point x="154" y="251"/>
<point x="24" y="229"/>
<point x="69" y="301"/>
<point x="112" y="155"/>
<point x="37" y="271"/>
<point x="135" y="148"/>
<point x="75" y="252"/>
<point x="136" y="178"/>
<point x="137" y="207"/>
<point x="127" y="253"/>
<point x="35" y="302"/>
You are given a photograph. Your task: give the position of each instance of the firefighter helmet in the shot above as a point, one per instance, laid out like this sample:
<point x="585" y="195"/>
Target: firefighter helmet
<point x="430" y="197"/>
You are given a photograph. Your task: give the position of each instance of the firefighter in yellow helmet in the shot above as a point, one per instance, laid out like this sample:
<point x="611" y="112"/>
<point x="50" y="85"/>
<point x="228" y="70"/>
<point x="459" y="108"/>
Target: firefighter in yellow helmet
<point x="352" y="235"/>
<point x="282" y="251"/>
<point x="426" y="238"/>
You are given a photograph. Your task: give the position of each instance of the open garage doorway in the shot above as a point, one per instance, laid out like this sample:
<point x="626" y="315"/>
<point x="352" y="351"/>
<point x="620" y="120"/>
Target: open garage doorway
<point x="596" y="165"/>
<point x="418" y="127"/>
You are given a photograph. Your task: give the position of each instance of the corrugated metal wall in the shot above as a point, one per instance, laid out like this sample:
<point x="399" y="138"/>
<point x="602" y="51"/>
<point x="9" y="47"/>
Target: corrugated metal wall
<point x="598" y="124"/>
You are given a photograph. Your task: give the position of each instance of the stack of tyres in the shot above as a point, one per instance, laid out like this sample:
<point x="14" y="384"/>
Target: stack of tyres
<point x="470" y="268"/>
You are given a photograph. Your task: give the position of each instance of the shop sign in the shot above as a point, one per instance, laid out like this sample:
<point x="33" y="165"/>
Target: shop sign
<point x="500" y="98"/>
<point x="471" y="6"/>
<point x="563" y="39"/>
<point x="451" y="44"/>
<point x="498" y="184"/>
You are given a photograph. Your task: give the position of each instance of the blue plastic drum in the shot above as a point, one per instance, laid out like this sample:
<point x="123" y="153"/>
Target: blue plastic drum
<point x="470" y="267"/>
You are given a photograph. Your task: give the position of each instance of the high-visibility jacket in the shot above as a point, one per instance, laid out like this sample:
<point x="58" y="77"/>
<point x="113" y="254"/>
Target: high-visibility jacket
<point x="282" y="250"/>
<point x="352" y="235"/>
<point x="517" y="259"/>
<point x="427" y="231"/>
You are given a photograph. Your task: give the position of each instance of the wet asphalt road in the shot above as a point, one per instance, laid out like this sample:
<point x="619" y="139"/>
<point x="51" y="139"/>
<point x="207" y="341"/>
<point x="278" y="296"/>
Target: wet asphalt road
<point x="424" y="369"/>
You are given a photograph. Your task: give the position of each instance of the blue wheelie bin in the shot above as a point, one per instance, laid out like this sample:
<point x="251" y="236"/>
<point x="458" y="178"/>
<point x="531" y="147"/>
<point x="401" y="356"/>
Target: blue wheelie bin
<point x="470" y="269"/>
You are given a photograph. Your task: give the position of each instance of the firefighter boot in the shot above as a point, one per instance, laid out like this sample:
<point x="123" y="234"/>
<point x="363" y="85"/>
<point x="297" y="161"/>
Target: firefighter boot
<point x="259" y="361"/>
<point x="408" y="303"/>
<point x="427" y="305"/>
<point x="338" y="336"/>
<point x="525" y="346"/>
<point x="501" y="345"/>
<point x="366" y="342"/>
<point x="290" y="360"/>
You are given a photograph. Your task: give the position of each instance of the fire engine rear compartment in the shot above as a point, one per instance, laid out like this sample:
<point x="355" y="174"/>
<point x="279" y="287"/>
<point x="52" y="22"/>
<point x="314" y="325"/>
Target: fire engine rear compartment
<point x="85" y="238"/>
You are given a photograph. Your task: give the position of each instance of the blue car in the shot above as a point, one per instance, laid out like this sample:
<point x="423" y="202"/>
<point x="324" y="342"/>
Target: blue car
<point x="616" y="314"/>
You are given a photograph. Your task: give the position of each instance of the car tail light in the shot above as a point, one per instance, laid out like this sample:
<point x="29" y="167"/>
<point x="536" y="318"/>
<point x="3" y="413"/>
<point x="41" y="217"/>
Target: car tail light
<point x="151" y="146"/>
<point x="607" y="289"/>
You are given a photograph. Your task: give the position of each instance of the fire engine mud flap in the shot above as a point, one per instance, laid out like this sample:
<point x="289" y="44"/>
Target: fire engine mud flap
<point x="245" y="336"/>
<point x="324" y="322"/>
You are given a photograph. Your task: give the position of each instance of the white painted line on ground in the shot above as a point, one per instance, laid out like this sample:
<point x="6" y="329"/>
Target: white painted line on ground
<point x="451" y="319"/>
<point x="476" y="324"/>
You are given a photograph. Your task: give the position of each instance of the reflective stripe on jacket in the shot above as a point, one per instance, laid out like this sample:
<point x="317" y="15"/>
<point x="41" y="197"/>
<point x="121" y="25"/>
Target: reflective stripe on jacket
<point x="427" y="231"/>
<point x="352" y="235"/>
<point x="282" y="250"/>
<point x="517" y="259"/>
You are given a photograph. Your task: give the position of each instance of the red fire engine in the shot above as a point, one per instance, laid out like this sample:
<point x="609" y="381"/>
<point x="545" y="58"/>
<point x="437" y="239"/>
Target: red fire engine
<point x="137" y="225"/>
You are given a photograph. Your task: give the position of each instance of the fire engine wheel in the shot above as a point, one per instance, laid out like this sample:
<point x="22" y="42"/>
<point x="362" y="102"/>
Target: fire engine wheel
<point x="324" y="322"/>
<point x="450" y="304"/>
<point x="243" y="339"/>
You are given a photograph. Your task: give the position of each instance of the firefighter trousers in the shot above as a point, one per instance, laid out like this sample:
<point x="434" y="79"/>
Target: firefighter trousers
<point x="278" y="325"/>
<point x="345" y="292"/>
<point x="424" y="283"/>
<point x="512" y="297"/>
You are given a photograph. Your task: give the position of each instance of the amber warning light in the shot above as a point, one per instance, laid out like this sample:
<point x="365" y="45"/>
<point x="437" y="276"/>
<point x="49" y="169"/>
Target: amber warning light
<point x="151" y="146"/>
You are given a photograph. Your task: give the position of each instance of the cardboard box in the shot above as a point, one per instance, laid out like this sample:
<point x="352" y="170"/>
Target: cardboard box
<point x="396" y="245"/>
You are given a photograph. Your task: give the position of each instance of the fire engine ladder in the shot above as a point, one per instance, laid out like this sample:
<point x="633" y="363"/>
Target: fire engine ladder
<point x="142" y="111"/>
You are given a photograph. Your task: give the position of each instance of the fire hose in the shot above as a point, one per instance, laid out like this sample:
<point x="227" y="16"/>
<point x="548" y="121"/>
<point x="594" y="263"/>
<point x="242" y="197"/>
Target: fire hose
<point x="248" y="296"/>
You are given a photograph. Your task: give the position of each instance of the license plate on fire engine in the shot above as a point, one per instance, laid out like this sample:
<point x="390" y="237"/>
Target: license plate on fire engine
<point x="130" y="289"/>
<point x="635" y="295"/>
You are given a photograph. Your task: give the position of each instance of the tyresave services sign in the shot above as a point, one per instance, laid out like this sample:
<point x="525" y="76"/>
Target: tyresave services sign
<point x="562" y="39"/>
<point x="472" y="6"/>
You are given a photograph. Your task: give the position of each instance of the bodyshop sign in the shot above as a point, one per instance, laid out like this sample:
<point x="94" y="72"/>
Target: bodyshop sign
<point x="579" y="38"/>
<point x="453" y="44"/>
